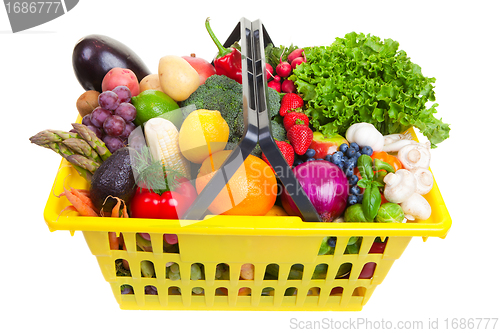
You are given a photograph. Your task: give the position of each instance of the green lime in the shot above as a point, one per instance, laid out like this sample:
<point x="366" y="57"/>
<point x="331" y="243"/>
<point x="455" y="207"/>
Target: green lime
<point x="154" y="103"/>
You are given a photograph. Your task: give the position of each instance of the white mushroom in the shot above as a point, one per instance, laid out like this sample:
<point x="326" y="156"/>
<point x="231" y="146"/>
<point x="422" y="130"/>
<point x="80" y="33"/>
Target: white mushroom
<point x="399" y="186"/>
<point x="416" y="207"/>
<point x="365" y="134"/>
<point x="398" y="145"/>
<point x="415" y="156"/>
<point x="390" y="138"/>
<point x="425" y="180"/>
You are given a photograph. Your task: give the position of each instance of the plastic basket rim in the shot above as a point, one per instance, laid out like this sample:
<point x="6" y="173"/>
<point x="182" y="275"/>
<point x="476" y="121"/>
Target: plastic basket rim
<point x="239" y="225"/>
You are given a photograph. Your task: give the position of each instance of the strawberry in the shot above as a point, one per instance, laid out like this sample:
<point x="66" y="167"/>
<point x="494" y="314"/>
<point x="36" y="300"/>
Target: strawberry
<point x="286" y="150"/>
<point x="291" y="118"/>
<point x="300" y="136"/>
<point x="289" y="102"/>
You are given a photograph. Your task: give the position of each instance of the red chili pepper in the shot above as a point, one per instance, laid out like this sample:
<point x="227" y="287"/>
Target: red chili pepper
<point x="228" y="61"/>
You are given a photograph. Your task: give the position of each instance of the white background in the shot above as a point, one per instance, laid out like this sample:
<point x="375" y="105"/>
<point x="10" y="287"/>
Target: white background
<point x="51" y="281"/>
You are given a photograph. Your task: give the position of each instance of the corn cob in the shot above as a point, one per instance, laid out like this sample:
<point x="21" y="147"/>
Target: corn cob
<point x="162" y="138"/>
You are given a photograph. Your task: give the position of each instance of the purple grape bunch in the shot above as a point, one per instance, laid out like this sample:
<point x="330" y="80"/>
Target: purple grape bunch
<point x="112" y="120"/>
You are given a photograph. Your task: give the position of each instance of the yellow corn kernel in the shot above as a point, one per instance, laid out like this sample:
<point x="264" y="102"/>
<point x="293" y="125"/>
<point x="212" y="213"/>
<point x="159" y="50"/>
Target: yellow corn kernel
<point x="162" y="138"/>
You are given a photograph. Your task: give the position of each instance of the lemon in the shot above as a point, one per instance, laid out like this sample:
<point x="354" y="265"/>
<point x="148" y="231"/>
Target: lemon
<point x="202" y="133"/>
<point x="154" y="103"/>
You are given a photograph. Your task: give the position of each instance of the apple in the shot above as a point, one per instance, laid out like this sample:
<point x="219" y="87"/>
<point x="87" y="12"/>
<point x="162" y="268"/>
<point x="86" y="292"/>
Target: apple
<point x="326" y="145"/>
<point x="203" y="67"/>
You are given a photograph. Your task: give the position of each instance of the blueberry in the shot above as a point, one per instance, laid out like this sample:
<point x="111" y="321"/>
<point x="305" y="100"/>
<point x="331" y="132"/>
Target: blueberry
<point x="356" y="156"/>
<point x="350" y="152"/>
<point x="367" y="150"/>
<point x="356" y="190"/>
<point x="319" y="159"/>
<point x="352" y="199"/>
<point x="351" y="162"/>
<point x="310" y="152"/>
<point x="341" y="164"/>
<point x="332" y="241"/>
<point x="298" y="162"/>
<point x="343" y="147"/>
<point x="328" y="157"/>
<point x="360" y="198"/>
<point x="337" y="157"/>
<point x="349" y="171"/>
<point x="353" y="180"/>
<point x="355" y="146"/>
<point x="310" y="159"/>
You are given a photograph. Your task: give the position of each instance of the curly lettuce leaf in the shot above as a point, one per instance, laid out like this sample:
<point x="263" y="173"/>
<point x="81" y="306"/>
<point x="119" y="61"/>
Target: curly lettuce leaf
<point x="360" y="78"/>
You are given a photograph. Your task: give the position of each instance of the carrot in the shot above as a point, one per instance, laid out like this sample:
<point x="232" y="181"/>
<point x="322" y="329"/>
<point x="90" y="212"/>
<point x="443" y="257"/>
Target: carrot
<point x="114" y="242"/>
<point x="115" y="212"/>
<point x="79" y="205"/>
<point x="125" y="213"/>
<point x="83" y="196"/>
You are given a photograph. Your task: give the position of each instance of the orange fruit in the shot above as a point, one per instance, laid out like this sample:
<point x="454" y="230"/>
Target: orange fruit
<point x="251" y="190"/>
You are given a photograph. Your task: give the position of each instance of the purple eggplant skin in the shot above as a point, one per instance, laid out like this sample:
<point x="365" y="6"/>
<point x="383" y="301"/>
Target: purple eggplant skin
<point x="95" y="55"/>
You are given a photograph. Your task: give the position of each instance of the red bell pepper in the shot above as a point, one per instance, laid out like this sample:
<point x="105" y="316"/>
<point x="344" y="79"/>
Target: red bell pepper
<point x="228" y="61"/>
<point x="168" y="205"/>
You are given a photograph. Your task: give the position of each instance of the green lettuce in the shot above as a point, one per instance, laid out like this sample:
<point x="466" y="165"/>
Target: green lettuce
<point x="360" y="78"/>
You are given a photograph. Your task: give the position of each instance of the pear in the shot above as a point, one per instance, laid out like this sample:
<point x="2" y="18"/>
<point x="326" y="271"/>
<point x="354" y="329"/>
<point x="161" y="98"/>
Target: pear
<point x="178" y="79"/>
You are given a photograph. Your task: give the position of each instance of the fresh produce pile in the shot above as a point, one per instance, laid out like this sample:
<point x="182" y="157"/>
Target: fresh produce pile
<point x="148" y="143"/>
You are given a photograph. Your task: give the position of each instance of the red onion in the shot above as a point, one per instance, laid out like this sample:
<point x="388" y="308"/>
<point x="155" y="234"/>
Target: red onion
<point x="325" y="184"/>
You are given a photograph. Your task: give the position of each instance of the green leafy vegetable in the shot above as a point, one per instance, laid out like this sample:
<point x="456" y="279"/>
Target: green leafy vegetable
<point x="274" y="53"/>
<point x="381" y="165"/>
<point x="365" y="167"/>
<point x="360" y="78"/>
<point x="371" y="201"/>
<point x="371" y="197"/>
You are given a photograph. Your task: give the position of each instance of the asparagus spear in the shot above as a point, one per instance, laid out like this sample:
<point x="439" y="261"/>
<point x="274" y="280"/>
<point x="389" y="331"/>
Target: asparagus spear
<point x="83" y="162"/>
<point x="59" y="148"/>
<point x="97" y="144"/>
<point x="81" y="147"/>
<point x="50" y="136"/>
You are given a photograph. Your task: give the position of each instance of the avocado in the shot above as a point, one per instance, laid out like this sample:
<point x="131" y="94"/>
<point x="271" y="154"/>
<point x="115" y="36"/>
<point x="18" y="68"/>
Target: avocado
<point x="115" y="177"/>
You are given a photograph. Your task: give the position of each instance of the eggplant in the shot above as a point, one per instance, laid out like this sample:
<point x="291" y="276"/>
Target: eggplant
<point x="95" y="55"/>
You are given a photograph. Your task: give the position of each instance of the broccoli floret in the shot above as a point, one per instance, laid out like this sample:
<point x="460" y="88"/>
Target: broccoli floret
<point x="222" y="94"/>
<point x="226" y="95"/>
<point x="273" y="103"/>
<point x="278" y="131"/>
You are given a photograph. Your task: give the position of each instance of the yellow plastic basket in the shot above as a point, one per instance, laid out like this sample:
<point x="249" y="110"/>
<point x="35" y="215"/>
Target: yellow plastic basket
<point x="236" y="240"/>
